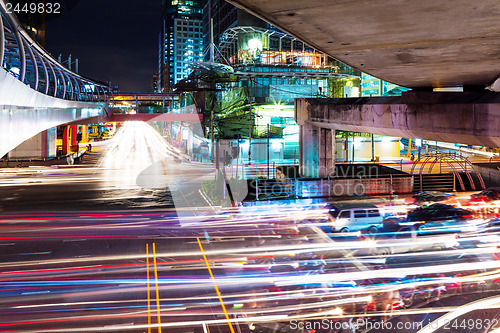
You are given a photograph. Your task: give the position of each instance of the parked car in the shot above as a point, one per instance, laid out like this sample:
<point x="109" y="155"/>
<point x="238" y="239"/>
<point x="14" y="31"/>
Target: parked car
<point x="355" y="216"/>
<point x="438" y="211"/>
<point x="427" y="198"/>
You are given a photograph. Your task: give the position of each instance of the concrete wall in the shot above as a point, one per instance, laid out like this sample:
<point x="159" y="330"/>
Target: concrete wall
<point x="41" y="146"/>
<point x="350" y="187"/>
<point x="490" y="173"/>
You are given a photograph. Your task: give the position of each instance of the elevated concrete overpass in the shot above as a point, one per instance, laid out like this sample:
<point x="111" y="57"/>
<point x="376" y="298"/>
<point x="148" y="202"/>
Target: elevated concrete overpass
<point x="25" y="112"/>
<point x="470" y="118"/>
<point x="37" y="92"/>
<point x="152" y="117"/>
<point x="416" y="44"/>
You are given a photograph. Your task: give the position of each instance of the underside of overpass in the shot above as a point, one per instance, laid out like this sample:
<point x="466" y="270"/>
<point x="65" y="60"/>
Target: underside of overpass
<point x="415" y="44"/>
<point x="25" y="112"/>
<point x="421" y="45"/>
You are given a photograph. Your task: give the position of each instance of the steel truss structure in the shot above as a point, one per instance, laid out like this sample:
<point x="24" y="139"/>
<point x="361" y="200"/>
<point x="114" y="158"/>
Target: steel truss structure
<point x="24" y="59"/>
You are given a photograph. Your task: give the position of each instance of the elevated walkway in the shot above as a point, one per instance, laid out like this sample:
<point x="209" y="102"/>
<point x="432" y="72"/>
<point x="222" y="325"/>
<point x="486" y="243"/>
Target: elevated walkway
<point x="37" y="92"/>
<point x="155" y="117"/>
<point x="25" y="112"/>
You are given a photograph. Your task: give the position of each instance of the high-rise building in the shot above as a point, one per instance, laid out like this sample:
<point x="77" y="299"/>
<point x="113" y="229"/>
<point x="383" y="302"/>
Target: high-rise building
<point x="225" y="16"/>
<point x="181" y="40"/>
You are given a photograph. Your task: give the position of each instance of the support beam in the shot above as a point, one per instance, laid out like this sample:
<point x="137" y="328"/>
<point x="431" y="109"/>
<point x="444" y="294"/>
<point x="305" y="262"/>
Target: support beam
<point x="316" y="151"/>
<point x="326" y="149"/>
<point x="308" y="150"/>
<point x="65" y="140"/>
<point x="73" y="138"/>
<point x="469" y="117"/>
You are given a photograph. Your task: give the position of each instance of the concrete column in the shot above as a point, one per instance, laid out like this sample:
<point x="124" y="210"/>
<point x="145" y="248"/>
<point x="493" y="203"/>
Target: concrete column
<point x="45" y="146"/>
<point x="65" y="140"/>
<point x="85" y="133"/>
<point x="308" y="150"/>
<point x="316" y="151"/>
<point x="309" y="145"/>
<point x="73" y="138"/>
<point x="326" y="152"/>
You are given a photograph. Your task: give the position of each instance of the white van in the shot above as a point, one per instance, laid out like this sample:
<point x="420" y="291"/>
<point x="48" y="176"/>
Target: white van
<point x="355" y="216"/>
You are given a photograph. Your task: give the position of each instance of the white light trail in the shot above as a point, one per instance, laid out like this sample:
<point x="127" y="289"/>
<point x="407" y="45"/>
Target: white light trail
<point x="492" y="302"/>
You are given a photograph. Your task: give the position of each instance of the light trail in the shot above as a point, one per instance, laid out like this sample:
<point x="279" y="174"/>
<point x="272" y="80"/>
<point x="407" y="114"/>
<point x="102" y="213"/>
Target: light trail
<point x="492" y="302"/>
<point x="263" y="258"/>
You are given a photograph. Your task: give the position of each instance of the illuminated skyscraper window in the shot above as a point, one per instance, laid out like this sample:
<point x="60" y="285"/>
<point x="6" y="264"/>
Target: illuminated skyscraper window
<point x="180" y="18"/>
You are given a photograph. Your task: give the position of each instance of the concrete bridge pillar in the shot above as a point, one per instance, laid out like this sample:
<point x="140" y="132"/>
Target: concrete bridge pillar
<point x="69" y="139"/>
<point x="74" y="138"/>
<point x="85" y="133"/>
<point x="316" y="145"/>
<point x="326" y="152"/>
<point x="316" y="151"/>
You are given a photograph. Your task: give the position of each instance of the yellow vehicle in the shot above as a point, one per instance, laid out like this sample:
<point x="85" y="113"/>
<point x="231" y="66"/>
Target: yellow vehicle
<point x="99" y="131"/>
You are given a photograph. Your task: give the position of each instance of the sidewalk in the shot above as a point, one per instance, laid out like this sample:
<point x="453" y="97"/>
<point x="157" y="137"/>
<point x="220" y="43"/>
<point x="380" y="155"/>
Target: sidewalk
<point x="93" y="157"/>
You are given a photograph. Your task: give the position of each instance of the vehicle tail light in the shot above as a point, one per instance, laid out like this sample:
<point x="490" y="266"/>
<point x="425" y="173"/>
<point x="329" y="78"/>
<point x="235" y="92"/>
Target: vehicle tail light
<point x="397" y="305"/>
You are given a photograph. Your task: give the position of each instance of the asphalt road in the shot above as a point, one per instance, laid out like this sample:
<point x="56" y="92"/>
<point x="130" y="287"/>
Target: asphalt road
<point x="76" y="249"/>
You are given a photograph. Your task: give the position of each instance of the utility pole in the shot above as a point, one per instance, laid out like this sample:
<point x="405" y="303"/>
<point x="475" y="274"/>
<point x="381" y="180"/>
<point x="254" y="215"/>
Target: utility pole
<point x="267" y="151"/>
<point x="373" y="150"/>
<point x="217" y="154"/>
<point x="353" y="139"/>
<point x="346" y="146"/>
<point x="250" y="126"/>
<point x="212" y="50"/>
<point x="212" y="135"/>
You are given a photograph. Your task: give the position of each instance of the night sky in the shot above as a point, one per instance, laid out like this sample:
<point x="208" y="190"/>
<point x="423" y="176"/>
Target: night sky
<point x="114" y="40"/>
